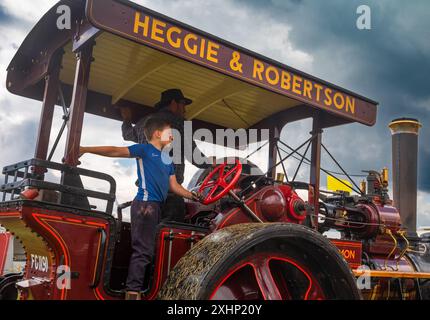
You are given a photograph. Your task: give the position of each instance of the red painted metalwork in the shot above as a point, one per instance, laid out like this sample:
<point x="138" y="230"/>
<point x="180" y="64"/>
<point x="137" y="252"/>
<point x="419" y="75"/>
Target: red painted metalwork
<point x="64" y="251"/>
<point x="270" y="286"/>
<point x="315" y="169"/>
<point x="78" y="105"/>
<point x="351" y="251"/>
<point x="52" y="83"/>
<point x="271" y="204"/>
<point x="240" y="286"/>
<point x="4" y="246"/>
<point x="180" y="240"/>
<point x="59" y="230"/>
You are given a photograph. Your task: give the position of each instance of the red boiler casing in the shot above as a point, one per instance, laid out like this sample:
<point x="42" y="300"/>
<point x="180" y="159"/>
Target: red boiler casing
<point x="376" y="215"/>
<point x="271" y="204"/>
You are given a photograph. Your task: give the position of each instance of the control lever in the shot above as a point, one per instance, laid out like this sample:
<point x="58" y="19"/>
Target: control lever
<point x="243" y="205"/>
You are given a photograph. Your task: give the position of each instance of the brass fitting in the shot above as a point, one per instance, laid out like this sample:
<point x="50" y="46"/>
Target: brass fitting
<point x="280" y="177"/>
<point x="385" y="177"/>
<point x="363" y="187"/>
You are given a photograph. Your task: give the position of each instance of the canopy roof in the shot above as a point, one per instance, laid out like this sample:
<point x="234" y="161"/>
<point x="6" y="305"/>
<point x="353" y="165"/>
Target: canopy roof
<point x="140" y="53"/>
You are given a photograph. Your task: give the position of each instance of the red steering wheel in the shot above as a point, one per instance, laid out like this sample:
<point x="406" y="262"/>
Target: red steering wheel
<point x="219" y="182"/>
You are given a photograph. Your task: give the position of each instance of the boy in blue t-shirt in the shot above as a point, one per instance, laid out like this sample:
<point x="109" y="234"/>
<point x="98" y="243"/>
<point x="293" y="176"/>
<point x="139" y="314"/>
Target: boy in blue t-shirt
<point x="156" y="175"/>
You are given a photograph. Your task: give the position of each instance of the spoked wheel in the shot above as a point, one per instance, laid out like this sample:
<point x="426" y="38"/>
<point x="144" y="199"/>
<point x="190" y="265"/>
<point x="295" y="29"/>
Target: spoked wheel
<point x="262" y="261"/>
<point x="268" y="276"/>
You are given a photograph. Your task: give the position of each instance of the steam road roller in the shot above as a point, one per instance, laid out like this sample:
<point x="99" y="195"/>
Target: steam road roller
<point x="255" y="235"/>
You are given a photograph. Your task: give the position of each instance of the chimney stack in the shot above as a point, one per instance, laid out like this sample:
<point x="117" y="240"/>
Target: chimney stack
<point x="405" y="161"/>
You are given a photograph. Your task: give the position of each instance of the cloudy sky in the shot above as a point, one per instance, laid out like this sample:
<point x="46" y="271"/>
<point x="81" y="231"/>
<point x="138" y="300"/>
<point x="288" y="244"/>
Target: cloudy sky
<point x="389" y="63"/>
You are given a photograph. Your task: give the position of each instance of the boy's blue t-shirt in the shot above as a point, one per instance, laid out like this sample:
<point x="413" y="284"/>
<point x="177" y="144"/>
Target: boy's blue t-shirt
<point x="154" y="169"/>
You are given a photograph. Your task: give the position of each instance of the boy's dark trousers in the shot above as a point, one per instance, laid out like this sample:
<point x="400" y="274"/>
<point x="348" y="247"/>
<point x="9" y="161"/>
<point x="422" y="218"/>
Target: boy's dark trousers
<point x="145" y="217"/>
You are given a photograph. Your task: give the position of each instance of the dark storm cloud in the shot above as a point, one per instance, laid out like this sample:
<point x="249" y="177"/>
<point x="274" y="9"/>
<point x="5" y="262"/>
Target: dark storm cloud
<point x="390" y="64"/>
<point x="17" y="146"/>
<point x="7" y="20"/>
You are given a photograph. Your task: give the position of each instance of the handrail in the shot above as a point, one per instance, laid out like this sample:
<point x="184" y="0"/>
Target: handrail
<point x="119" y="218"/>
<point x="100" y="257"/>
<point x="34" y="180"/>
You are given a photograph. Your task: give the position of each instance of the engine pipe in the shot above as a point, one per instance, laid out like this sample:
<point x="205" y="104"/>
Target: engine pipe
<point x="405" y="160"/>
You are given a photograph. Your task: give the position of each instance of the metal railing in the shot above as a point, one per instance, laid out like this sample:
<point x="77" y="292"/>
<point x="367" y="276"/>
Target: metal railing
<point x="23" y="175"/>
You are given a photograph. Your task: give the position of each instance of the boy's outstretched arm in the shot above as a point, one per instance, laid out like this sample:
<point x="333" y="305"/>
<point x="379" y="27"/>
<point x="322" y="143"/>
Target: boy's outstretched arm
<point x="179" y="190"/>
<point x="111" y="152"/>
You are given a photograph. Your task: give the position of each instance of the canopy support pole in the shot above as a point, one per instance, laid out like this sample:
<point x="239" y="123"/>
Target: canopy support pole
<point x="50" y="98"/>
<point x="315" y="168"/>
<point x="77" y="112"/>
<point x="273" y="150"/>
<point x="77" y="108"/>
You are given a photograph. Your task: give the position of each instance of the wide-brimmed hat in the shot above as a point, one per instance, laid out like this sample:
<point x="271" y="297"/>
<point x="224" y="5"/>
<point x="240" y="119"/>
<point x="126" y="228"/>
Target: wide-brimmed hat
<point x="172" y="94"/>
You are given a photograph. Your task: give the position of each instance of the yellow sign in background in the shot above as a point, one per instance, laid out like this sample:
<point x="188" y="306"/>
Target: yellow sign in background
<point x="334" y="184"/>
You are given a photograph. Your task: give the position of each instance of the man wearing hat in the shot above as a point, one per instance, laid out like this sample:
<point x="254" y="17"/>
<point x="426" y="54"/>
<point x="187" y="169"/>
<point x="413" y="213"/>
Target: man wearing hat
<point x="172" y="109"/>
